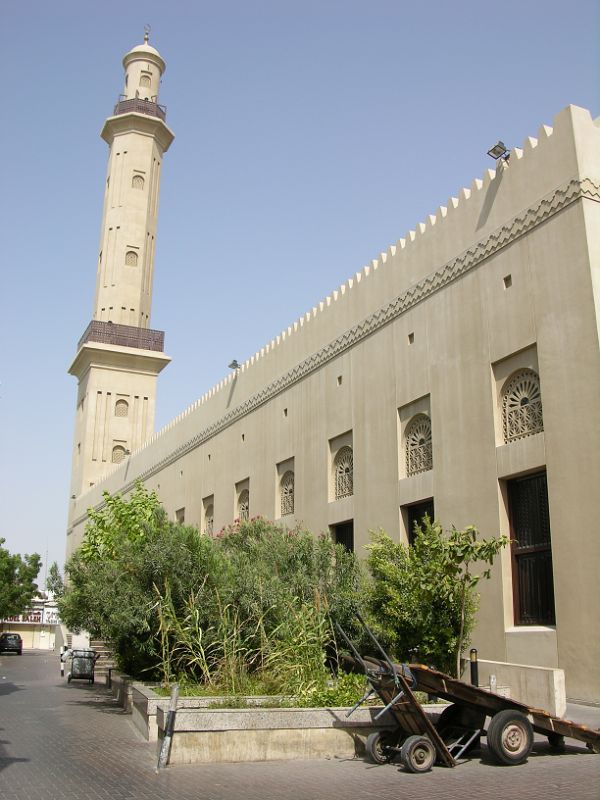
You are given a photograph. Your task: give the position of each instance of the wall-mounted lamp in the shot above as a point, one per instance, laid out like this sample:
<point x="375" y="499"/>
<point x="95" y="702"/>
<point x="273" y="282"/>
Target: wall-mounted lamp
<point x="234" y="364"/>
<point x="499" y="151"/>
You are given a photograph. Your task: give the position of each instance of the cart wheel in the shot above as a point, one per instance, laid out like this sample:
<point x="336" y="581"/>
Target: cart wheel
<point x="418" y="754"/>
<point x="379" y="746"/>
<point x="593" y="747"/>
<point x="510" y="737"/>
<point x="556" y="741"/>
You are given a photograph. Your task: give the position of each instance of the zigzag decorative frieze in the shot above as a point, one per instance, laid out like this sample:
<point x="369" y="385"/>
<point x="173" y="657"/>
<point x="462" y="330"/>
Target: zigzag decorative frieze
<point x="521" y="224"/>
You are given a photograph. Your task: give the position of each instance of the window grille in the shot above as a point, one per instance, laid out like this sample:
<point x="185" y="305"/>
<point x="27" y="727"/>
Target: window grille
<point x="209" y="519"/>
<point x="344" y="473"/>
<point x="522" y="406"/>
<point x="533" y="583"/>
<point x="137" y="182"/>
<point x="244" y="504"/>
<point x="121" y="408"/>
<point x="131" y="258"/>
<point x="145" y="81"/>
<point x="118" y="454"/>
<point x="287" y="493"/>
<point x="419" y="450"/>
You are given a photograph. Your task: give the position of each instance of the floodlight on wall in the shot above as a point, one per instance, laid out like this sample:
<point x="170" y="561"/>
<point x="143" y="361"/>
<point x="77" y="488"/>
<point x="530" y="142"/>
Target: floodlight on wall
<point x="234" y="364"/>
<point x="499" y="151"/>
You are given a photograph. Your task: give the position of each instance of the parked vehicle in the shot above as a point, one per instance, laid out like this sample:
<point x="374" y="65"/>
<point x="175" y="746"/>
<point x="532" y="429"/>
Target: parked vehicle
<point x="11" y="643"/>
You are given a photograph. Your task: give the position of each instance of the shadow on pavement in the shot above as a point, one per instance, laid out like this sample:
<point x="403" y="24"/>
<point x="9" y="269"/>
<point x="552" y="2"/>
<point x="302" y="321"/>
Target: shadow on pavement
<point x="7" y="687"/>
<point x="6" y="760"/>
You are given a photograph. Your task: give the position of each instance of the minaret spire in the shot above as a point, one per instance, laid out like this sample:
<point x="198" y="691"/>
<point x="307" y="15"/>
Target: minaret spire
<point x="119" y="356"/>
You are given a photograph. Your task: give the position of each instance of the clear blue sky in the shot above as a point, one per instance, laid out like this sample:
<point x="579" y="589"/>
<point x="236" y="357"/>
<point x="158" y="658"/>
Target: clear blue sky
<point x="309" y="137"/>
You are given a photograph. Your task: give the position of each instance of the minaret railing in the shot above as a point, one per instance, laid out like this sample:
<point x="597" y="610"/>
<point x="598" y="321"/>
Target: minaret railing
<point x="123" y="336"/>
<point x="138" y="106"/>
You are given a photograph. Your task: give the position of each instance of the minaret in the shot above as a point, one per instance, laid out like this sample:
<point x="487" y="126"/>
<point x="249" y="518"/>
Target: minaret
<point x="119" y="356"/>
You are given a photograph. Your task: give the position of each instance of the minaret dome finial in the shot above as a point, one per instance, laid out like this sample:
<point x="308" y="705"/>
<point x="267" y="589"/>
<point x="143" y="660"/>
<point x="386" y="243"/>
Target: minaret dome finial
<point x="147" y="30"/>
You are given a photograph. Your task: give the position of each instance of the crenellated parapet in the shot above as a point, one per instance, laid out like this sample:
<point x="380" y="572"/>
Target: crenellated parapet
<point x="543" y="177"/>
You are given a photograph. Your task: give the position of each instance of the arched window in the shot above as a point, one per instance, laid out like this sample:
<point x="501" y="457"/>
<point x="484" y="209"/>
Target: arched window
<point x="145" y="81"/>
<point x="343" y="470"/>
<point x="131" y="258"/>
<point x="522" y="406"/>
<point x="118" y="454"/>
<point x="137" y="182"/>
<point x="244" y="504"/>
<point x="287" y="493"/>
<point x="419" y="453"/>
<point x="209" y="518"/>
<point x="121" y="408"/>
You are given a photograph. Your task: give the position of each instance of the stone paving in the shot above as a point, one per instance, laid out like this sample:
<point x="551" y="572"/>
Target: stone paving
<point x="72" y="742"/>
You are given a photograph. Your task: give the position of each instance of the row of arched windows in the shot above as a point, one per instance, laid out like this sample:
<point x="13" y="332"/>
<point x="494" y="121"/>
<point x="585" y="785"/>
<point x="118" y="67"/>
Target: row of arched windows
<point x="521" y="416"/>
<point x="521" y="410"/>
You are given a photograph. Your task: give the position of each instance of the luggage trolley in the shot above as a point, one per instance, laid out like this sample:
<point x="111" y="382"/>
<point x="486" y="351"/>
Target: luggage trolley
<point x="82" y="664"/>
<point x="420" y="743"/>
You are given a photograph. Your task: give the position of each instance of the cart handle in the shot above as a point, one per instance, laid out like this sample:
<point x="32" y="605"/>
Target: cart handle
<point x="405" y="668"/>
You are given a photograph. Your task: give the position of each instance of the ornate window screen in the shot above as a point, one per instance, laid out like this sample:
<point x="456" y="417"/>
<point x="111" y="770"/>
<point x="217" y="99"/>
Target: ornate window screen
<point x="131" y="258"/>
<point x="209" y="519"/>
<point x="343" y="470"/>
<point x="244" y="504"/>
<point x="121" y="408"/>
<point x="137" y="182"/>
<point x="419" y="451"/>
<point x="118" y="454"/>
<point x="145" y="81"/>
<point x="287" y="493"/>
<point x="522" y="406"/>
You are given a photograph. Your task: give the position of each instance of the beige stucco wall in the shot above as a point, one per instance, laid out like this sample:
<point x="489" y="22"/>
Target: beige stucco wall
<point x="349" y="369"/>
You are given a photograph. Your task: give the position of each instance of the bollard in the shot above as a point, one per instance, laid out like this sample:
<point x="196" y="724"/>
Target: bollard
<point x="474" y="668"/>
<point x="165" y="749"/>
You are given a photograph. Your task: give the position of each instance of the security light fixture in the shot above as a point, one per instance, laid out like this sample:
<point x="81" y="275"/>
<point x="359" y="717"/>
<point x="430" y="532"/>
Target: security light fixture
<point x="499" y="151"/>
<point x="234" y="364"/>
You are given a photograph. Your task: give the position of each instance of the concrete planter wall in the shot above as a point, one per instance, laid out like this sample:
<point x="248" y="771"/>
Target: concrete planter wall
<point x="204" y="735"/>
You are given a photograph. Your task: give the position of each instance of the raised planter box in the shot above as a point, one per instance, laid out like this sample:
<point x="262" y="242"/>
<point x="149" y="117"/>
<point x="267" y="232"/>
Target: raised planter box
<point x="145" y="703"/>
<point x="204" y="735"/>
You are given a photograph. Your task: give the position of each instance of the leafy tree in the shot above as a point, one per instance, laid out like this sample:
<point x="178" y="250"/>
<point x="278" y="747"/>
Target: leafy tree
<point x="423" y="597"/>
<point x="118" y="517"/>
<point x="54" y="582"/>
<point x="17" y="581"/>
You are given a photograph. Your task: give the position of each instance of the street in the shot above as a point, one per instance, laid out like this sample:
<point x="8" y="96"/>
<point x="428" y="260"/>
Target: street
<point x="72" y="742"/>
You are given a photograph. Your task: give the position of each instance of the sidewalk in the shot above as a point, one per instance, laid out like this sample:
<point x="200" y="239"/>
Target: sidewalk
<point x="71" y="742"/>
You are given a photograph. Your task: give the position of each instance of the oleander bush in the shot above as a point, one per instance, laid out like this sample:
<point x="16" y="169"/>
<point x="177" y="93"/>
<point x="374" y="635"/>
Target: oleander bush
<point x="246" y="611"/>
<point x="251" y="610"/>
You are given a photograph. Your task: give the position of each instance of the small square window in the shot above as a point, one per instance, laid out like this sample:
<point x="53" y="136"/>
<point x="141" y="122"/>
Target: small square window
<point x="507" y="281"/>
<point x="339" y="380"/>
<point x="411" y="338"/>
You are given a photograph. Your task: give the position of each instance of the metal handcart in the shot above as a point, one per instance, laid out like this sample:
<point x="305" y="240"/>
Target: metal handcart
<point x="83" y="663"/>
<point x="420" y="743"/>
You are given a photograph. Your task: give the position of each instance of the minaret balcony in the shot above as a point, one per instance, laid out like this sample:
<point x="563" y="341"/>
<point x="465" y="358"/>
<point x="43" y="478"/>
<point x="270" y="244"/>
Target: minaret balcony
<point x="138" y="106"/>
<point x="123" y="336"/>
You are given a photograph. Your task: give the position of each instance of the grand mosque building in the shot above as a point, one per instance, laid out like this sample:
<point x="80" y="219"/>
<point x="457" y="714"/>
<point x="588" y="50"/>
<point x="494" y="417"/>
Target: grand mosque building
<point x="457" y="374"/>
